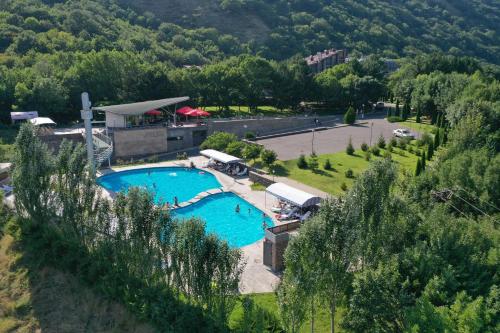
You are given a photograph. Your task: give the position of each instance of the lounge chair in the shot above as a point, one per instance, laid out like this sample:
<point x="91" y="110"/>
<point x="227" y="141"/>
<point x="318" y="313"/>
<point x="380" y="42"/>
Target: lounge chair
<point x="305" y="216"/>
<point x="288" y="215"/>
<point x="242" y="173"/>
<point x="6" y="189"/>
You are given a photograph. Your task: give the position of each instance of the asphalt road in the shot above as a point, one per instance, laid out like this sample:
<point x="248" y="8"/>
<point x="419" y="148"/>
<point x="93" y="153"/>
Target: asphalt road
<point x="331" y="140"/>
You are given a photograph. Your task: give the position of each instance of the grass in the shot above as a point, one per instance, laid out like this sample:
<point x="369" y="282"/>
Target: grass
<point x="257" y="187"/>
<point x="267" y="301"/>
<point x="423" y="127"/>
<point x="34" y="298"/>
<point x="269" y="111"/>
<point x="330" y="181"/>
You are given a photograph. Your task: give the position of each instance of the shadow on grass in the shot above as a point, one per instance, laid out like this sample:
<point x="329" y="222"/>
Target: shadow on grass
<point x="280" y="170"/>
<point x="59" y="303"/>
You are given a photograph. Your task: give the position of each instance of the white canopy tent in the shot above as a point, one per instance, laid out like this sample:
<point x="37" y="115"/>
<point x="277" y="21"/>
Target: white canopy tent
<point x="292" y="195"/>
<point x="42" y="121"/>
<point x="25" y="115"/>
<point x="219" y="156"/>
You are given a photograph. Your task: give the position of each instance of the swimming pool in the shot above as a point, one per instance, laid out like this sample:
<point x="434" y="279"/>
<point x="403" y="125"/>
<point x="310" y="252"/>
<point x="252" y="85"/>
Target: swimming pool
<point x="218" y="211"/>
<point x="165" y="182"/>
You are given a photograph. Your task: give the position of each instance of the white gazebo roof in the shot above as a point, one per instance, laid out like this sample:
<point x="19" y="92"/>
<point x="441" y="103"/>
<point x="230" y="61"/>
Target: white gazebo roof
<point x="39" y="121"/>
<point x="219" y="156"/>
<point x="134" y="109"/>
<point x="292" y="195"/>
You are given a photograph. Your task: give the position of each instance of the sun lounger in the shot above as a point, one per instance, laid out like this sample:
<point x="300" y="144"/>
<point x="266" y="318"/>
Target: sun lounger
<point x="288" y="215"/>
<point x="305" y="216"/>
<point x="6" y="189"/>
<point x="242" y="173"/>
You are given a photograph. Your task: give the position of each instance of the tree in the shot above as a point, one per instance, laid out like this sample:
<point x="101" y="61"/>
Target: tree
<point x="313" y="164"/>
<point x="268" y="157"/>
<point x="349" y="149"/>
<point x="218" y="141"/>
<point x="430" y="151"/>
<point x="418" y="168"/>
<point x="327" y="165"/>
<point x="31" y="176"/>
<point x="235" y="148"/>
<point x="350" y="116"/>
<point x="381" y="141"/>
<point x="291" y="307"/>
<point x="422" y="161"/>
<point x="417" y="118"/>
<point x="302" y="162"/>
<point x="251" y="152"/>
<point x="437" y="139"/>
<point x="398" y="112"/>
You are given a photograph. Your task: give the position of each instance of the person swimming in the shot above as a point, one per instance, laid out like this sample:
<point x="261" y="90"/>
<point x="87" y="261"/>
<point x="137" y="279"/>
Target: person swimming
<point x="237" y="209"/>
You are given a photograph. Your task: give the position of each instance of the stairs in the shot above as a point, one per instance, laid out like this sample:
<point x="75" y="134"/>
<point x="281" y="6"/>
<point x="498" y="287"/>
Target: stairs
<point x="103" y="148"/>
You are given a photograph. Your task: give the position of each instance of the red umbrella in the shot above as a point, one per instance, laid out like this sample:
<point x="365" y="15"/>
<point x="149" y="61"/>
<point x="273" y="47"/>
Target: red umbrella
<point x="184" y="110"/>
<point x="153" y="113"/>
<point x="198" y="113"/>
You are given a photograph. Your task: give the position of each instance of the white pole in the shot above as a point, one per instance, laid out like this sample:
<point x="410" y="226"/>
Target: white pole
<point x="86" y="114"/>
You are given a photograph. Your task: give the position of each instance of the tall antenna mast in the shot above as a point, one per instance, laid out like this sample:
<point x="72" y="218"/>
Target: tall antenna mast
<point x="86" y="114"/>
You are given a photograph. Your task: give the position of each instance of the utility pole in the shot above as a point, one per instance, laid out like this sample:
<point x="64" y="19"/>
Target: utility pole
<point x="312" y="142"/>
<point x="86" y="114"/>
<point x="371" y="131"/>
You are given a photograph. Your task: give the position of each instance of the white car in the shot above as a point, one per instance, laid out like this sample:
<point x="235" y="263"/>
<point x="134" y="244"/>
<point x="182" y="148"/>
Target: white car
<point x="403" y="133"/>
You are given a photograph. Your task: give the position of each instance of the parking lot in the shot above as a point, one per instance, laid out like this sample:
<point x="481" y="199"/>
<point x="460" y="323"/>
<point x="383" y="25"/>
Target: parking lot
<point x="331" y="140"/>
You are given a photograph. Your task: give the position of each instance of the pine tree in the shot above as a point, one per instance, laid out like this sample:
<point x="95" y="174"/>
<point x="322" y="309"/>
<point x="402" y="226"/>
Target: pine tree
<point x="418" y="116"/>
<point x="418" y="170"/>
<point x="430" y="151"/>
<point x="422" y="161"/>
<point x="437" y="138"/>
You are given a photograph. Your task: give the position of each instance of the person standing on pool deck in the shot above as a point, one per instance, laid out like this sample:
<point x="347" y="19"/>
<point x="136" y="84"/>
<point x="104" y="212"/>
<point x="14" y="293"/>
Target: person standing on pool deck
<point x="237" y="209"/>
<point x="176" y="201"/>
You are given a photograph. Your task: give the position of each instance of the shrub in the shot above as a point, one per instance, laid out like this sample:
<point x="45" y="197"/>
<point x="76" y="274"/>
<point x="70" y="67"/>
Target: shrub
<point x="235" y="148"/>
<point x="418" y="168"/>
<point x="350" y="116"/>
<point x="390" y="148"/>
<point x="349" y="149"/>
<point x="249" y="135"/>
<point x="343" y="186"/>
<point x="430" y="151"/>
<point x="364" y="147"/>
<point x="327" y="165"/>
<point x="387" y="154"/>
<point x="182" y="156"/>
<point x="402" y="144"/>
<point x="381" y="141"/>
<point x="268" y="157"/>
<point x="313" y="164"/>
<point x="251" y="152"/>
<point x="393" y="142"/>
<point x="375" y="151"/>
<point x="418" y="152"/>
<point x="349" y="173"/>
<point x="394" y="119"/>
<point x="301" y="162"/>
<point x="410" y="149"/>
<point x="368" y="156"/>
<point x="218" y="141"/>
<point x="426" y="138"/>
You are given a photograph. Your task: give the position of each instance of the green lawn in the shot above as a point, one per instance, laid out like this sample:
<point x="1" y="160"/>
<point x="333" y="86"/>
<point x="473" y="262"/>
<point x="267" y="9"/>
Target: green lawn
<point x="422" y="127"/>
<point x="330" y="181"/>
<point x="245" y="111"/>
<point x="267" y="301"/>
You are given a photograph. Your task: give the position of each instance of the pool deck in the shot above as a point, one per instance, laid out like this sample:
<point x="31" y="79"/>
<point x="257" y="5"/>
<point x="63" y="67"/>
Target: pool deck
<point x="256" y="277"/>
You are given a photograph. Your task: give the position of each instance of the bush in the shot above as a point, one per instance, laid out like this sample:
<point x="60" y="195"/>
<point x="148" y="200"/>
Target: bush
<point x="394" y="119"/>
<point x="364" y="147"/>
<point x="381" y="141"/>
<point x="218" y="141"/>
<point x="402" y="144"/>
<point x="182" y="156"/>
<point x="251" y="152"/>
<point x="390" y="148"/>
<point x="301" y="162"/>
<point x="235" y="148"/>
<point x="426" y="138"/>
<point x="268" y="157"/>
<point x="387" y="154"/>
<point x="368" y="156"/>
<point x="313" y="164"/>
<point x="349" y="116"/>
<point x="417" y="152"/>
<point x="343" y="186"/>
<point x="375" y="151"/>
<point x="349" y="173"/>
<point x="410" y="149"/>
<point x="349" y="149"/>
<point x="327" y="165"/>
<point x="249" y="135"/>
<point x="393" y="142"/>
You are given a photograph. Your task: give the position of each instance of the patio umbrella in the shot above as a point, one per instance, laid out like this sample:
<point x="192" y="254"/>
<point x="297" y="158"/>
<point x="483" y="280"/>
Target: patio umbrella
<point x="198" y="113"/>
<point x="184" y="110"/>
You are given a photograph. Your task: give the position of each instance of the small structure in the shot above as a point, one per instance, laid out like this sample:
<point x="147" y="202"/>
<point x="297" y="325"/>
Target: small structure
<point x="42" y="121"/>
<point x="220" y="157"/>
<point x="277" y="238"/>
<point x="18" y="117"/>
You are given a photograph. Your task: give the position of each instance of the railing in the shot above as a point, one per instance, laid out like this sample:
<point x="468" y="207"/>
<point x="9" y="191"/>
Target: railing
<point x="103" y="148"/>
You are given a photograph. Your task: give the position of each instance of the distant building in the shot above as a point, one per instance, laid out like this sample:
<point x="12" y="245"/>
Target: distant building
<point x="321" y="61"/>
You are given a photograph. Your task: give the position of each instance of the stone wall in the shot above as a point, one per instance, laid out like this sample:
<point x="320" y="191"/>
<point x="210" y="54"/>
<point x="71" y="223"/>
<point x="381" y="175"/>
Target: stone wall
<point x="140" y="141"/>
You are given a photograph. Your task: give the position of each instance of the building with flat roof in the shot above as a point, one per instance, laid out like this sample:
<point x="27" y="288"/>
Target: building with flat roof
<point x="321" y="61"/>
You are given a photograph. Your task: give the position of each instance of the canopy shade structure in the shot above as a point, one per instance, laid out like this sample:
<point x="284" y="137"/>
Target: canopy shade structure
<point x="40" y="121"/>
<point x="292" y="195"/>
<point x="153" y="113"/>
<point x="219" y="156"/>
<point x="135" y="109"/>
<point x="23" y="115"/>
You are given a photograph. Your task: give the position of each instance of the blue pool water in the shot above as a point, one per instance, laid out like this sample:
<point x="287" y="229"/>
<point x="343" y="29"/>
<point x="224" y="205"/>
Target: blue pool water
<point x="165" y="182"/>
<point x="218" y="211"/>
